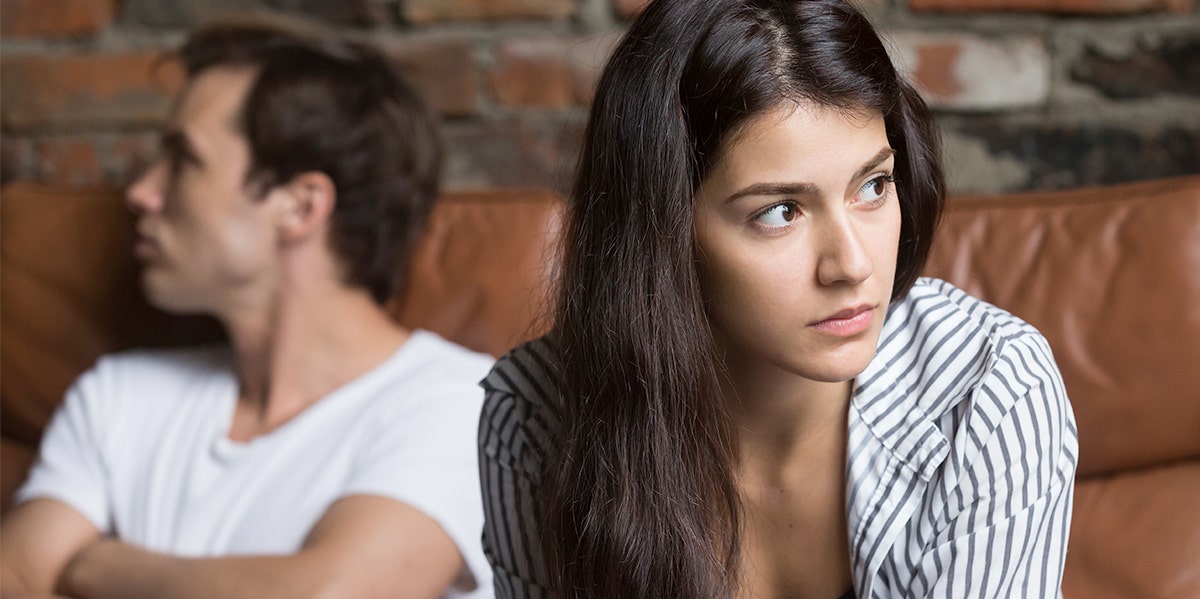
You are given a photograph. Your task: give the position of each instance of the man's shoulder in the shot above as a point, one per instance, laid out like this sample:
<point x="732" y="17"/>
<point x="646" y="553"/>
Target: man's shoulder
<point x="154" y="368"/>
<point x="428" y="349"/>
<point x="141" y="381"/>
<point x="427" y="375"/>
<point x="426" y="358"/>
<point x="168" y="361"/>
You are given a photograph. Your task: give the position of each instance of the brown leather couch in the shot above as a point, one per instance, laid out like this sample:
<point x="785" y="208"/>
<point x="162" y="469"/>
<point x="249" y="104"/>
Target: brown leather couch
<point x="1110" y="275"/>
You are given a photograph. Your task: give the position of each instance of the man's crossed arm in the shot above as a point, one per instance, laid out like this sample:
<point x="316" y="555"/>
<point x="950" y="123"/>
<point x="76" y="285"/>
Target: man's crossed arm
<point x="363" y="546"/>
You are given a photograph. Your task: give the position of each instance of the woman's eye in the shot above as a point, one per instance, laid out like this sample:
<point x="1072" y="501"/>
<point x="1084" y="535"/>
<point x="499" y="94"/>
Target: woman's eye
<point x="778" y="215"/>
<point x="875" y="190"/>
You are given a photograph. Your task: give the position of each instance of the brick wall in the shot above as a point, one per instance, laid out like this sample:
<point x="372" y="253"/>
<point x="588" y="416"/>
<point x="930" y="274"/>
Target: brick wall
<point x="1031" y="94"/>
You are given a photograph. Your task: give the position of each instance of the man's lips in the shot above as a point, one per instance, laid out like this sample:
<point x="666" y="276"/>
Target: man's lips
<point x="145" y="247"/>
<point x="850" y="321"/>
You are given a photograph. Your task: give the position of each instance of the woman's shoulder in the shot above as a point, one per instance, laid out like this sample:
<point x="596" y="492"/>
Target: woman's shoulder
<point x="529" y="371"/>
<point x="941" y="344"/>
<point x="937" y="323"/>
<point x="933" y="302"/>
<point x="521" y="410"/>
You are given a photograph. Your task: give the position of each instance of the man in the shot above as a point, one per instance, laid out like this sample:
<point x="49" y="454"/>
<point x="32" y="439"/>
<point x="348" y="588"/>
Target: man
<point x="327" y="451"/>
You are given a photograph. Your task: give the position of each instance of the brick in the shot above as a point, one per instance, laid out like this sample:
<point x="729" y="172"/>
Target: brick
<point x="61" y="92"/>
<point x="512" y="153"/>
<point x="54" y="18"/>
<point x="182" y="13"/>
<point x="14" y="158"/>
<point x="444" y="71"/>
<point x="428" y="11"/>
<point x="109" y="158"/>
<point x="969" y="72"/>
<point x="1169" y="67"/>
<point x="629" y="8"/>
<point x="68" y="162"/>
<point x="127" y="155"/>
<point x="549" y="72"/>
<point x="971" y="167"/>
<point x="342" y="12"/>
<point x="1054" y="6"/>
<point x="1060" y="156"/>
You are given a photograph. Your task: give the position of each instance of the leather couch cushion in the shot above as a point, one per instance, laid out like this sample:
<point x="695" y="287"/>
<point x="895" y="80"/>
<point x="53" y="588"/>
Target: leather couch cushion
<point x="1136" y="534"/>
<point x="1111" y="276"/>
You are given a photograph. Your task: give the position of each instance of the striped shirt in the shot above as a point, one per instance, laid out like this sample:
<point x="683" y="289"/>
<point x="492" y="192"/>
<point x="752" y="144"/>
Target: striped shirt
<point x="960" y="465"/>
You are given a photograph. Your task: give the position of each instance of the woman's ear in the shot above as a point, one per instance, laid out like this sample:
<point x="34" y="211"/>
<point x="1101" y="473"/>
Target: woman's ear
<point x="307" y="204"/>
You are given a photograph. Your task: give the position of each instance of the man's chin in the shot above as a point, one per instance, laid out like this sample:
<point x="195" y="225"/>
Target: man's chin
<point x="172" y="301"/>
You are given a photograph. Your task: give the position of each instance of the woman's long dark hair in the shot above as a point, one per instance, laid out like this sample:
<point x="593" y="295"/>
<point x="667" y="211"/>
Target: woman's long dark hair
<point x="643" y="502"/>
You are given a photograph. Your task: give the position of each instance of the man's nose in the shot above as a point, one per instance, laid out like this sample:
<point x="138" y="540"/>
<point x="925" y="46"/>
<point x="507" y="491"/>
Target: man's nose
<point x="843" y="257"/>
<point x="146" y="193"/>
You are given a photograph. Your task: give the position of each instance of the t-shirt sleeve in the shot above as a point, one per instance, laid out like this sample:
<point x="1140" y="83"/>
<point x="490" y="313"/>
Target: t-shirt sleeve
<point x="422" y="452"/>
<point x="71" y="465"/>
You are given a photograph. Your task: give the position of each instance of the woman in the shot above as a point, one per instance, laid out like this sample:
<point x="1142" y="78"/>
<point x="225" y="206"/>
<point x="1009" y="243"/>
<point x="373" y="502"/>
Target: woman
<point x="748" y="390"/>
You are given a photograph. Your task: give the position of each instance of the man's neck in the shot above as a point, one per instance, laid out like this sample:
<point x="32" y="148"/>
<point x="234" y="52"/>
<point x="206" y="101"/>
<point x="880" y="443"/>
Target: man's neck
<point x="301" y="345"/>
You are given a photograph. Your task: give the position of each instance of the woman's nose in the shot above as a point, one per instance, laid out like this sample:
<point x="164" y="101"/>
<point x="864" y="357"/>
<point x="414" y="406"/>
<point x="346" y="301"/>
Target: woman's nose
<point x="843" y="257"/>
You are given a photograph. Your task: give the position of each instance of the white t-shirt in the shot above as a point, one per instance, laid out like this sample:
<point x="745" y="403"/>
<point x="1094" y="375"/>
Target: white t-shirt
<point x="140" y="447"/>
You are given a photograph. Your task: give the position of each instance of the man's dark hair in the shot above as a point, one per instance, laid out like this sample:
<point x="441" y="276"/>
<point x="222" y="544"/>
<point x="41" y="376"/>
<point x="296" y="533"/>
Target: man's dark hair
<point x="326" y="104"/>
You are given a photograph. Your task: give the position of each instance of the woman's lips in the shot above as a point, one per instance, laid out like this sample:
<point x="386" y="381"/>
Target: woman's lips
<point x="848" y="322"/>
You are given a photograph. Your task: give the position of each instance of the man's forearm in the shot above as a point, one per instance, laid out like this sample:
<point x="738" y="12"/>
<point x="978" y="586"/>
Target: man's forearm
<point x="11" y="583"/>
<point x="112" y="569"/>
<point x="37" y="539"/>
<point x="364" y="546"/>
<point x="14" y="586"/>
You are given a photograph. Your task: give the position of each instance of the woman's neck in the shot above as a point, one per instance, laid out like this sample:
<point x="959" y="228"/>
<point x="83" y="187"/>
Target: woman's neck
<point x="791" y="475"/>
<point x="781" y="418"/>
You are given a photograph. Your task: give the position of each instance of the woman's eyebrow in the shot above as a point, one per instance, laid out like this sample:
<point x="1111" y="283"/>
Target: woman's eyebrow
<point x="801" y="188"/>
<point x="872" y="163"/>
<point x="775" y="189"/>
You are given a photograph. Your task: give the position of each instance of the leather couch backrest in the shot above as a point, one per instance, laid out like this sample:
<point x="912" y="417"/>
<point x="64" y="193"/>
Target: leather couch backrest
<point x="70" y="286"/>
<point x="1111" y="276"/>
<point x="483" y="271"/>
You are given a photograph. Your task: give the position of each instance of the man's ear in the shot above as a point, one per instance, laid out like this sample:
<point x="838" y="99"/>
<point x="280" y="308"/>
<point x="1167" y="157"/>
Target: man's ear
<point x="307" y="204"/>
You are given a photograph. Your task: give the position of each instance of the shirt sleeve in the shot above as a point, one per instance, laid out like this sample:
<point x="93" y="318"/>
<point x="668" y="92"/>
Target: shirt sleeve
<point x="71" y="465"/>
<point x="1009" y="539"/>
<point x="421" y="452"/>
<point x="510" y="471"/>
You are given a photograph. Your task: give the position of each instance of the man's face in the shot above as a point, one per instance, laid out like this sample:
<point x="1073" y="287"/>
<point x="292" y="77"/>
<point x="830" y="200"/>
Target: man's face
<point x="207" y="243"/>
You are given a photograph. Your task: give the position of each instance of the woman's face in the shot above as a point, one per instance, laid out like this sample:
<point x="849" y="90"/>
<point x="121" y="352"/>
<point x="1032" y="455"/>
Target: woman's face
<point x="797" y="229"/>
